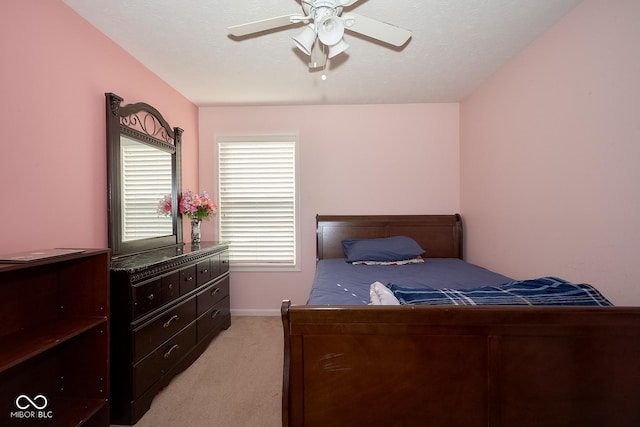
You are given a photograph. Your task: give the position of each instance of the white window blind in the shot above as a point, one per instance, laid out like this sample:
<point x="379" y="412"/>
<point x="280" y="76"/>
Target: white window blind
<point x="257" y="200"/>
<point x="147" y="178"/>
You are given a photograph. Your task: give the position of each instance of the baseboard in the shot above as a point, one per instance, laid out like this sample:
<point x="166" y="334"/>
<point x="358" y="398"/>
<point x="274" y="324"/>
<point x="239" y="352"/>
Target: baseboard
<point x="255" y="312"/>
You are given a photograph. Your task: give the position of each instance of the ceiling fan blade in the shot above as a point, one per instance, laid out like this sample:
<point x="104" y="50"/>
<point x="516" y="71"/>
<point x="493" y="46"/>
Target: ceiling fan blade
<point x="347" y="2"/>
<point x="263" y="25"/>
<point x="376" y="29"/>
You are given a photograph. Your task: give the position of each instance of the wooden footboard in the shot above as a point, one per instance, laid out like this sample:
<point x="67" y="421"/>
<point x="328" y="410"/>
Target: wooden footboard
<point x="460" y="366"/>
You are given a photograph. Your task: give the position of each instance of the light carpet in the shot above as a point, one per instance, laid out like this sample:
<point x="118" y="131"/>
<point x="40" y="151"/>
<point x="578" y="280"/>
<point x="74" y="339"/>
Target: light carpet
<point x="237" y="381"/>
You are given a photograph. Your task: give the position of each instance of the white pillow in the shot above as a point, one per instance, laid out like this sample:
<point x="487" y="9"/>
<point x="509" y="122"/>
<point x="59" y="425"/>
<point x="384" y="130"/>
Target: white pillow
<point x="417" y="260"/>
<point x="381" y="295"/>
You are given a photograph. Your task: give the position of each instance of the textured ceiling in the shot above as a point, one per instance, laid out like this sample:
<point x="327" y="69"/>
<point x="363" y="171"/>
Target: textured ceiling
<point x="456" y="44"/>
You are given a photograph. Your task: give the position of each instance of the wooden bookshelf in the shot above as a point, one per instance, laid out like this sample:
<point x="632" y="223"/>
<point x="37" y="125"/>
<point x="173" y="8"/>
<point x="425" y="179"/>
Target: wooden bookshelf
<point x="54" y="340"/>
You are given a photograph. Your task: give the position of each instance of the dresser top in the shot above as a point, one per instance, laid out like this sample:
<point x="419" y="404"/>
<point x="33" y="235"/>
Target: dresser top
<point x="170" y="255"/>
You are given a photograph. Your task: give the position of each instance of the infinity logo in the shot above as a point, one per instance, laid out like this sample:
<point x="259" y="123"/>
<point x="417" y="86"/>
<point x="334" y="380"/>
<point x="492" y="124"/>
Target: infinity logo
<point x="20" y="402"/>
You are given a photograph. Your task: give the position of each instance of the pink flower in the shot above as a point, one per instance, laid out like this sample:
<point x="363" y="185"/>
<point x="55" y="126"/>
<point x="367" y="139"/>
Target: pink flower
<point x="164" y="205"/>
<point x="195" y="206"/>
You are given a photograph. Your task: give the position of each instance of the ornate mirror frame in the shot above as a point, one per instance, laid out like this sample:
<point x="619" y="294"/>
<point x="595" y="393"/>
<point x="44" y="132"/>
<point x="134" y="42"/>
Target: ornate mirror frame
<point x="142" y="123"/>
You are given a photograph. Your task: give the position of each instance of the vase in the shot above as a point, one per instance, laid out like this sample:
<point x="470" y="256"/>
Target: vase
<point x="195" y="231"/>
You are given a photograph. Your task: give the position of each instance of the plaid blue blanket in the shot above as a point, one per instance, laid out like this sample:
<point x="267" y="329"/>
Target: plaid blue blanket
<point x="540" y="291"/>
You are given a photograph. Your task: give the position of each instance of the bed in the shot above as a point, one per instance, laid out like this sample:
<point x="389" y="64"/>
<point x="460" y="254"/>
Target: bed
<point x="348" y="362"/>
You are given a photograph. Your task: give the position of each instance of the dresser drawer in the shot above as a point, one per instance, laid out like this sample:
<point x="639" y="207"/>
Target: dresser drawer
<point x="154" y="333"/>
<point x="170" y="287"/>
<point x="222" y="263"/>
<point x="151" y="368"/>
<point x="212" y="294"/>
<point x="146" y="297"/>
<point x="215" y="319"/>
<point x="204" y="271"/>
<point x="188" y="280"/>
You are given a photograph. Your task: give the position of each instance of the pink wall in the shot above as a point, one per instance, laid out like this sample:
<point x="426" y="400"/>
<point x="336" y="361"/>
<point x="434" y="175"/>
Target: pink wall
<point x="55" y="71"/>
<point x="545" y="173"/>
<point x="354" y="159"/>
<point x="550" y="147"/>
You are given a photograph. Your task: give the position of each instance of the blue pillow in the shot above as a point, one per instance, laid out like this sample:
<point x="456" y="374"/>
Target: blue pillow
<point x="396" y="248"/>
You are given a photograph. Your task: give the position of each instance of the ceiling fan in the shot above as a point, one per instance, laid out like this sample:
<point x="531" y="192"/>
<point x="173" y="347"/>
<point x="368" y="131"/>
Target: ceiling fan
<point x="322" y="36"/>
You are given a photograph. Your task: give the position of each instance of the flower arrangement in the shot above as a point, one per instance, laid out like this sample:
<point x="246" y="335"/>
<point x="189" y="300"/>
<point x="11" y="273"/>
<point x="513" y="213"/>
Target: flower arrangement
<point x="195" y="206"/>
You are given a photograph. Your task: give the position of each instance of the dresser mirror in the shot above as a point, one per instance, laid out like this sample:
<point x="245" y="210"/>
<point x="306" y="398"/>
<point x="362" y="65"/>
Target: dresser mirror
<point x="143" y="167"/>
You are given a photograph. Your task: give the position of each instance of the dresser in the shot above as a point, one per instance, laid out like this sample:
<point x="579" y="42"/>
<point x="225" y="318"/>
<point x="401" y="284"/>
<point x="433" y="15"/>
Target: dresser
<point x="54" y="340"/>
<point x="167" y="305"/>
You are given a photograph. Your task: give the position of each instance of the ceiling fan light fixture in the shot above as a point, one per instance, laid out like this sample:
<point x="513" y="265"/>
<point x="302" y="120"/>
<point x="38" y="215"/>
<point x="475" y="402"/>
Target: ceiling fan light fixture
<point x="338" y="48"/>
<point x="304" y="40"/>
<point x="330" y="30"/>
<point x="318" y="57"/>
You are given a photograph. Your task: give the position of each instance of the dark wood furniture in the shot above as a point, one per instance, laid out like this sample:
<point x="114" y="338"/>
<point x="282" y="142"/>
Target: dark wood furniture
<point x="54" y="341"/>
<point x="143" y="126"/>
<point x="455" y="366"/>
<point x="169" y="300"/>
<point x="167" y="304"/>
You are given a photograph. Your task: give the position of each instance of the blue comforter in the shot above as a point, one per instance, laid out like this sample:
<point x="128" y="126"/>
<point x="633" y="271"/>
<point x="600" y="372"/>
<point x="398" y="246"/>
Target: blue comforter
<point x="338" y="282"/>
<point x="541" y="291"/>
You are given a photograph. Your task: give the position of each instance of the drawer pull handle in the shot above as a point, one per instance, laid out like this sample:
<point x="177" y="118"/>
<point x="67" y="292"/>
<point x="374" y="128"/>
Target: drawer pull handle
<point x="168" y="322"/>
<point x="205" y="271"/>
<point x="150" y="297"/>
<point x="170" y="286"/>
<point x="215" y="291"/>
<point x="168" y="352"/>
<point x="188" y="279"/>
<point x="215" y="313"/>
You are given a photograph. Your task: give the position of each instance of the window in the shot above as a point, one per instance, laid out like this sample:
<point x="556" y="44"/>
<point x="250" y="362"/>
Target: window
<point x="258" y="200"/>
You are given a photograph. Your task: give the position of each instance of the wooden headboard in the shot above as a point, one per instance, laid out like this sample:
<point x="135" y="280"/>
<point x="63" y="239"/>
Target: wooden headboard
<point x="439" y="235"/>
